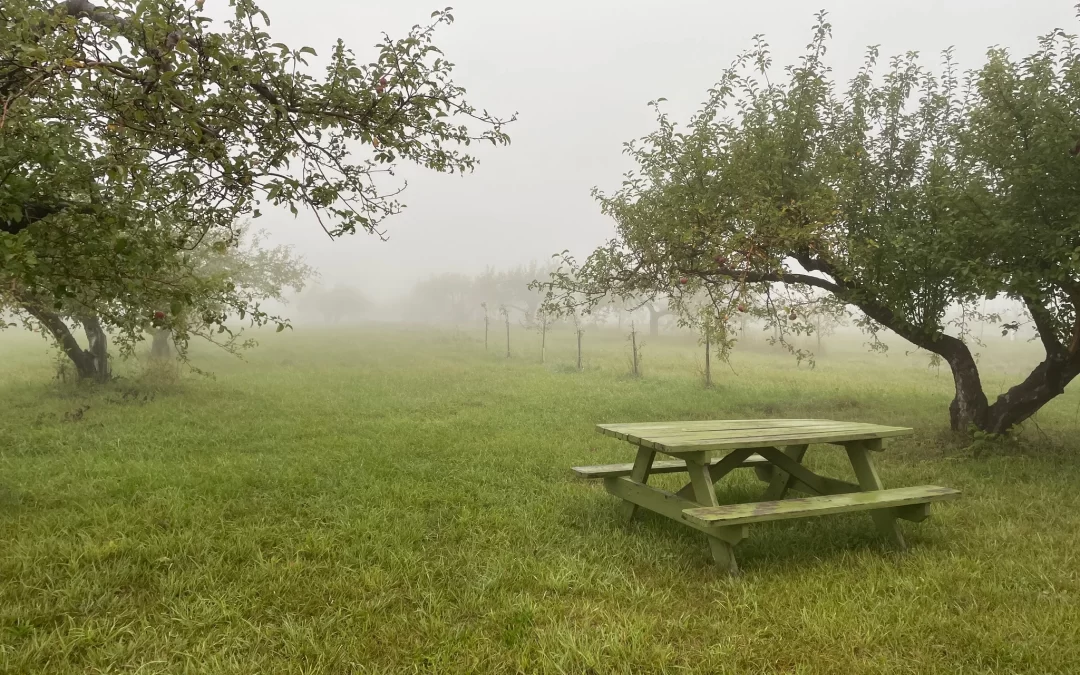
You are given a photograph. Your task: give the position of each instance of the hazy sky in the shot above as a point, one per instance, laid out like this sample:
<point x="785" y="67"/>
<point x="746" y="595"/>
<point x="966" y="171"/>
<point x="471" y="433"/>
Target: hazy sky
<point x="580" y="74"/>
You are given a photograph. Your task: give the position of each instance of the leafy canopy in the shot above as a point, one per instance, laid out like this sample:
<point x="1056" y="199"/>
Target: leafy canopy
<point x="132" y="133"/>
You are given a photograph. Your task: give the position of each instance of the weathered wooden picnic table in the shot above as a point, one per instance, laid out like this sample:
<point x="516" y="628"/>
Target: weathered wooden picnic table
<point x="774" y="448"/>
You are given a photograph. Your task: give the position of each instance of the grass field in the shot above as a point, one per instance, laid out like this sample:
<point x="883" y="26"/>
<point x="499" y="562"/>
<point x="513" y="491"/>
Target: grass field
<point x="395" y="500"/>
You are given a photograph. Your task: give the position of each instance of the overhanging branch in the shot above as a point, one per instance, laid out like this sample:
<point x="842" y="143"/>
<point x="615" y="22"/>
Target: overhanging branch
<point x="937" y="342"/>
<point x="775" y="277"/>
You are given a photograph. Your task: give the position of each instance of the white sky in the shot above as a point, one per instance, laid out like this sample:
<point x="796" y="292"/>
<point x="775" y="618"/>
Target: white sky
<point x="580" y="74"/>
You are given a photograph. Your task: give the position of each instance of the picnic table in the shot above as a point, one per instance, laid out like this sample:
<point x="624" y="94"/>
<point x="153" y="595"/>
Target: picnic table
<point x="709" y="450"/>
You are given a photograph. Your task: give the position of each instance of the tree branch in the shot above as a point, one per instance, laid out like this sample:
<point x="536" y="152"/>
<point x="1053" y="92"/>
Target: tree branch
<point x="84" y="9"/>
<point x="54" y="324"/>
<point x="1045" y="326"/>
<point x="937" y="342"/>
<point x="776" y="277"/>
<point x="35" y="211"/>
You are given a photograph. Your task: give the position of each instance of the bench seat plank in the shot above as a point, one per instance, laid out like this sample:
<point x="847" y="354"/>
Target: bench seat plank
<point x="742" y="514"/>
<point x="659" y="466"/>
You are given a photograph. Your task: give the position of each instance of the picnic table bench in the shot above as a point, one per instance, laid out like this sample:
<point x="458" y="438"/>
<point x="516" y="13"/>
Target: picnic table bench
<point x="709" y="450"/>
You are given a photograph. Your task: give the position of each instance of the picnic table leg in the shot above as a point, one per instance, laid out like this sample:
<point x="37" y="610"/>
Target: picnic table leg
<point x="640" y="474"/>
<point x="717" y="471"/>
<point x="781" y="481"/>
<point x="723" y="553"/>
<point x="861" y="461"/>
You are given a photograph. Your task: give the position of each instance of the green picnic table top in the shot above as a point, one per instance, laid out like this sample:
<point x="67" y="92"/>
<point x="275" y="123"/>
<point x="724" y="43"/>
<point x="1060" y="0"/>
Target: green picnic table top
<point x="705" y="435"/>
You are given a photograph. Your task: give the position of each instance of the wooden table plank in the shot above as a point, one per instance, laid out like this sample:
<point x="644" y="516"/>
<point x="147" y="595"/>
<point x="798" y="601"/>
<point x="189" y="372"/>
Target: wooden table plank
<point x="666" y="437"/>
<point x="705" y="435"/>
<point x="774" y="441"/>
<point x="735" y="424"/>
<point x="705" y="425"/>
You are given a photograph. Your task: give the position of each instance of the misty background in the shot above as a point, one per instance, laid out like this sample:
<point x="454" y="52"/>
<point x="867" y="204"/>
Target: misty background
<point x="580" y="76"/>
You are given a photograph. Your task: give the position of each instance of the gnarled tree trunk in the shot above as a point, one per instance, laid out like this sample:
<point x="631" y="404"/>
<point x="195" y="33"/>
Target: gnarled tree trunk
<point x="96" y="357"/>
<point x="91" y="363"/>
<point x="970" y="407"/>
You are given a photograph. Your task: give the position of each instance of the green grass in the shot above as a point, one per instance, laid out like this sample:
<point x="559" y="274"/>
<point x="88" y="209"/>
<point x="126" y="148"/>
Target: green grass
<point x="394" y="500"/>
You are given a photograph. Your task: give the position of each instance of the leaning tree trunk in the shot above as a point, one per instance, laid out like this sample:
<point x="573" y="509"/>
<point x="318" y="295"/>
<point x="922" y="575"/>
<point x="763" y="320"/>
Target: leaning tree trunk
<point x="160" y="347"/>
<point x="1047" y="381"/>
<point x="91" y="363"/>
<point x="968" y="408"/>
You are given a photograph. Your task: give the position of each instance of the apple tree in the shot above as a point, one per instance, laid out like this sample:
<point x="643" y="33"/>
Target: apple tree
<point x="908" y="194"/>
<point x="132" y="133"/>
<point x="252" y="272"/>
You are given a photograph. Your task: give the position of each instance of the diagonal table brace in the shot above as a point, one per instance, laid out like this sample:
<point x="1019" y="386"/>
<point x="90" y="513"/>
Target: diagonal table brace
<point x="788" y="468"/>
<point x="718" y="470"/>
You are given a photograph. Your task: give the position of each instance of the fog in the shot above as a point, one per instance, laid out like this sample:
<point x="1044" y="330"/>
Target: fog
<point x="580" y="75"/>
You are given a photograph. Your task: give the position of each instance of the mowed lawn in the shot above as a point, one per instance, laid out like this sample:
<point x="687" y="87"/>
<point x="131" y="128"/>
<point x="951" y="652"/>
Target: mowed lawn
<point x="395" y="500"/>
